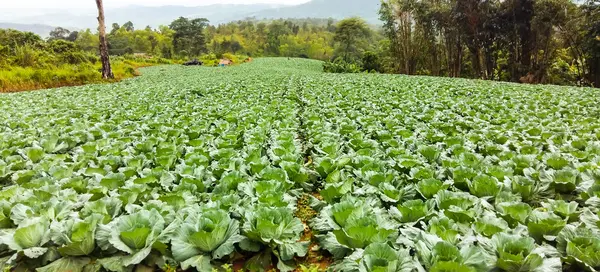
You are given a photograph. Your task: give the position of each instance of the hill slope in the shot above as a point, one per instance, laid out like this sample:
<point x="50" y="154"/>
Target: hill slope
<point x="143" y="16"/>
<point x="40" y="29"/>
<point x="337" y="9"/>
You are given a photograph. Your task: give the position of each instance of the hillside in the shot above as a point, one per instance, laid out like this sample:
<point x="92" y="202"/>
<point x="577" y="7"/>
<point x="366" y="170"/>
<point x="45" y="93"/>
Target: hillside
<point x="39" y="29"/>
<point x="164" y="15"/>
<point x="143" y="16"/>
<point x="337" y="9"/>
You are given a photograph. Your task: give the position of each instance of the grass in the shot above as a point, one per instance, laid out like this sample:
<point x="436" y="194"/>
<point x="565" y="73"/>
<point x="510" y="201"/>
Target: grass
<point x="28" y="78"/>
<point x="17" y="79"/>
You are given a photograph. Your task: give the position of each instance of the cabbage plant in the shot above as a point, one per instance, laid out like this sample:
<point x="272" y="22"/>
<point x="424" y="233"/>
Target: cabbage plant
<point x="203" y="236"/>
<point x="134" y="234"/>
<point x="273" y="231"/>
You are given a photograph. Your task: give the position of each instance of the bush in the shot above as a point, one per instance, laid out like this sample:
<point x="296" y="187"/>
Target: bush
<point x="27" y="78"/>
<point x="341" y="66"/>
<point x="231" y="57"/>
<point x="92" y="59"/>
<point x="62" y="46"/>
<point x="74" y="58"/>
<point x="209" y="60"/>
<point x="17" y="38"/>
<point x="371" y="63"/>
<point x="25" y="56"/>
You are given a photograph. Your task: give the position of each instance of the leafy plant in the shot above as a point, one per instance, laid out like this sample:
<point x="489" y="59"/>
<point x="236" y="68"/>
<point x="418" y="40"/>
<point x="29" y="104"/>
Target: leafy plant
<point x="516" y="253"/>
<point x="544" y="225"/>
<point x="278" y="231"/>
<point x="580" y="246"/>
<point x="206" y="235"/>
<point x="396" y="173"/>
<point x="135" y="234"/>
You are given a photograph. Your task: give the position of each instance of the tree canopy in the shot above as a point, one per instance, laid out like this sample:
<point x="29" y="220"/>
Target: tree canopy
<point x="349" y="32"/>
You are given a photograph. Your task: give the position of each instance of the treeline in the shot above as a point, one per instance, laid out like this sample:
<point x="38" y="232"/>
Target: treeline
<point x="189" y="38"/>
<point x="71" y="57"/>
<point x="529" y="41"/>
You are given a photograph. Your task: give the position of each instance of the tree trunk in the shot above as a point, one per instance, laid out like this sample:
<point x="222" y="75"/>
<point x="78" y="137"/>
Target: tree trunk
<point x="435" y="61"/>
<point x="512" y="62"/>
<point x="459" y="56"/>
<point x="489" y="63"/>
<point x="475" y="60"/>
<point x="594" y="71"/>
<point x="450" y="55"/>
<point x="104" y="57"/>
<point x="525" y="11"/>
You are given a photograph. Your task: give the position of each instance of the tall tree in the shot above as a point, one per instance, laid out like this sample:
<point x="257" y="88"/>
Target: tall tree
<point x="405" y="30"/>
<point x="348" y="34"/>
<point x="59" y="33"/>
<point x="277" y="31"/>
<point x="115" y="28"/>
<point x="592" y="40"/>
<point x="73" y="36"/>
<point x="104" y="57"/>
<point x="390" y="30"/>
<point x="189" y="38"/>
<point x="129" y="26"/>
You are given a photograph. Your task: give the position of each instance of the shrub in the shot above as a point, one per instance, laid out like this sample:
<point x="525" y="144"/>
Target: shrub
<point x="371" y="63"/>
<point x="62" y="46"/>
<point x="231" y="57"/>
<point x="339" y="65"/>
<point x="25" y="56"/>
<point x="209" y="60"/>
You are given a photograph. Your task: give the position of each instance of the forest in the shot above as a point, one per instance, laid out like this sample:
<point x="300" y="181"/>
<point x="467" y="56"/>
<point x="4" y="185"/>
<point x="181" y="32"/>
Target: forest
<point x="527" y="41"/>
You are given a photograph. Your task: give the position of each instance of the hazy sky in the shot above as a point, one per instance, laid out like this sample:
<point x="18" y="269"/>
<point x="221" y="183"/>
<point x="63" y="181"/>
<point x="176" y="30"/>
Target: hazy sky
<point x="85" y="4"/>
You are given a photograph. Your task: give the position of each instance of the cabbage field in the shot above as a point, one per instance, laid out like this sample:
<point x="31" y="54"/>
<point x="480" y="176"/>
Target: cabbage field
<point x="274" y="165"/>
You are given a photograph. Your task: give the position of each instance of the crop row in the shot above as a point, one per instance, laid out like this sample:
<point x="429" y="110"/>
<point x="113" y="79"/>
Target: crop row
<point x="445" y="175"/>
<point x="196" y="168"/>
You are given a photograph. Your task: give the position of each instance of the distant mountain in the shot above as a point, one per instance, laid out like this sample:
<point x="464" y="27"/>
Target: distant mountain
<point x="337" y="9"/>
<point x="164" y="15"/>
<point x="42" y="30"/>
<point x="143" y="16"/>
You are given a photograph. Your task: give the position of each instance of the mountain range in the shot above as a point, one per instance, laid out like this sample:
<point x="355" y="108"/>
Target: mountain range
<point x="143" y="16"/>
<point x="40" y="29"/>
<point x="337" y="9"/>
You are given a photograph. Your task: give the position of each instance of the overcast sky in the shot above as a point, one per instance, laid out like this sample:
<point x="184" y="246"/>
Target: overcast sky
<point x="86" y="4"/>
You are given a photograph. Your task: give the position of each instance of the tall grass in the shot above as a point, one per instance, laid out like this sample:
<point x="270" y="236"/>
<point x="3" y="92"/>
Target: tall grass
<point x="27" y="77"/>
<point x="25" y="56"/>
<point x="18" y="78"/>
<point x="31" y="70"/>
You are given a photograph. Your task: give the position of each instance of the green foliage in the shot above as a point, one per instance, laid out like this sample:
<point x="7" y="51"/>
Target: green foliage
<point x="350" y="33"/>
<point x="371" y="62"/>
<point x="341" y="66"/>
<point x="303" y="38"/>
<point x="188" y="36"/>
<point x="31" y="63"/>
<point x="557" y="40"/>
<point x="399" y="173"/>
